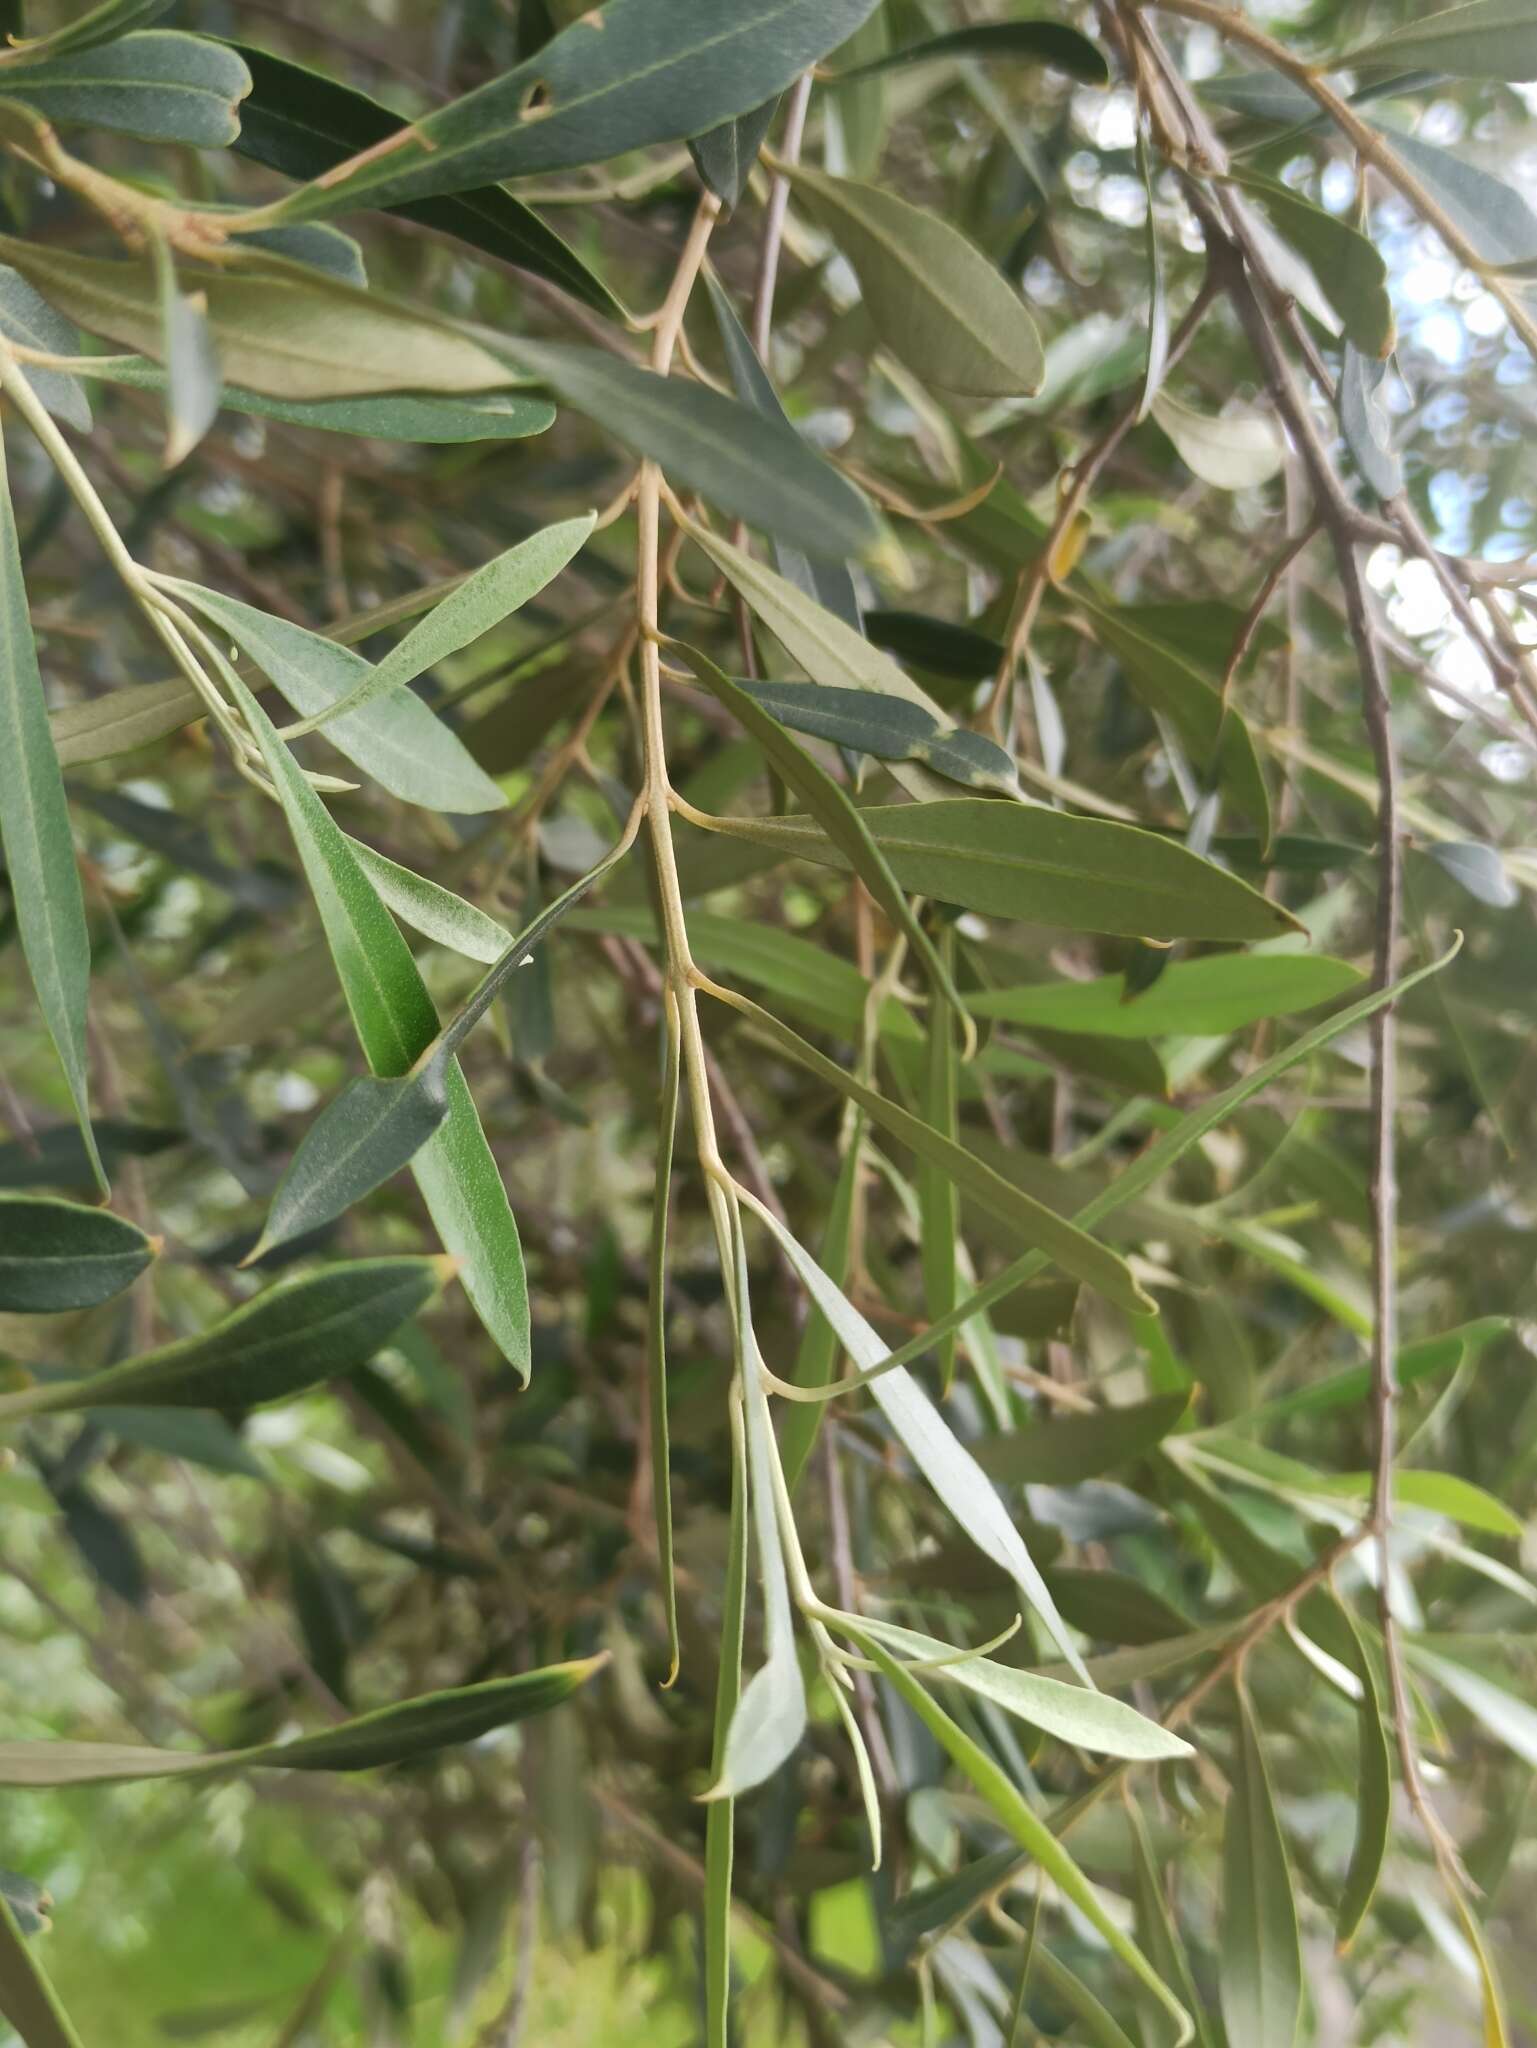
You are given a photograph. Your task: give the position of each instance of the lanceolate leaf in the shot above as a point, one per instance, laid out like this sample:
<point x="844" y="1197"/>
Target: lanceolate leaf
<point x="754" y="468"/>
<point x="1233" y="451"/>
<point x="100" y="24"/>
<point x="483" y="600"/>
<point x="636" y="74"/>
<point x="163" y="86"/>
<point x="1261" y="1956"/>
<point x="1374" y="1792"/>
<point x="395" y="1022"/>
<point x="378" y="1125"/>
<point x="437" y="913"/>
<point x="1494" y="216"/>
<point x="1088" y="1720"/>
<point x="395" y="738"/>
<point x="389" y="1735"/>
<point x="936" y="300"/>
<point x="1032" y="42"/>
<point x="28" y="318"/>
<point x="1042" y="867"/>
<point x="1484" y="39"/>
<point x="890" y="729"/>
<point x="724" y="157"/>
<point x="280" y="327"/>
<point x="285" y="1339"/>
<point x="303" y="124"/>
<point x="27" y="1999"/>
<point x="34" y="831"/>
<point x="1222" y="992"/>
<point x="944" y="1461"/>
<point x="1079" y="1447"/>
<point x="58" y="1255"/>
<point x="1029" y="1830"/>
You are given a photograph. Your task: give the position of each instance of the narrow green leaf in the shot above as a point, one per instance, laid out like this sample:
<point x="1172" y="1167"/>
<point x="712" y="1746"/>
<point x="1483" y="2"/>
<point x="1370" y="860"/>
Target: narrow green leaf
<point x="99" y="24"/>
<point x="1088" y="1720"/>
<point x="755" y="468"/>
<point x="1349" y="269"/>
<point x="398" y="416"/>
<point x="162" y="87"/>
<point x="27" y="317"/>
<point x="1433" y="1358"/>
<point x="1072" y="1249"/>
<point x="1497" y="220"/>
<point x="377" y="1125"/>
<point x="395" y="1022"/>
<point x="936" y="301"/>
<point x="280" y="327"/>
<point x="1261" y="1953"/>
<point x="1051" y="43"/>
<point x="193" y="379"/>
<point x="720" y="1816"/>
<point x="950" y="1469"/>
<point x="27" y="1999"/>
<point x="1156" y="1927"/>
<point x="396" y="738"/>
<point x="35" y="835"/>
<point x="390" y="1735"/>
<point x="1485" y="39"/>
<point x="1135" y="1178"/>
<point x="834" y="811"/>
<point x="304" y="124"/>
<point x="890" y="729"/>
<point x="1157" y="289"/>
<point x="1169" y="682"/>
<point x="1042" y="867"/>
<point x="56" y="1255"/>
<point x="1509" y="1719"/>
<point x="770" y="1716"/>
<point x="283" y="1340"/>
<point x="483" y="600"/>
<point x="659" y="1444"/>
<point x="724" y="157"/>
<point x="1220" y="993"/>
<point x="938" y="1201"/>
<point x="1374" y="1797"/>
<point x="819" y="1347"/>
<point x="1079" y="1447"/>
<point x="639" y="73"/>
<point x="437" y="913"/>
<point x="1030" y="1831"/>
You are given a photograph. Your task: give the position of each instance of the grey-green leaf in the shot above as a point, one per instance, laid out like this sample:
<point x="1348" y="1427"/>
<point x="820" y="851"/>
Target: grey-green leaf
<point x="27" y="317"/>
<point x="1081" y="1446"/>
<point x="57" y="1255"/>
<point x="1365" y="423"/>
<point x="437" y="913"/>
<point x="389" y="1735"/>
<point x="1350" y="270"/>
<point x="889" y="728"/>
<point x="937" y="302"/>
<point x="1044" y="867"/>
<point x="1051" y="43"/>
<point x="35" y="834"/>
<point x="756" y="468"/>
<point x="724" y="157"/>
<point x="638" y="72"/>
<point x="1261" y="1955"/>
<point x="162" y="87"/>
<point x="283" y="1340"/>
<point x="395" y="738"/>
<point x="1494" y="216"/>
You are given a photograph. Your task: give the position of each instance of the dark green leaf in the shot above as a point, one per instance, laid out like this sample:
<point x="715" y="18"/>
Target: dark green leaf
<point x="1220" y="993"/>
<point x="936" y="300"/>
<point x="1374" y="1798"/>
<point x="1079" y="1447"/>
<point x="57" y="1255"/>
<point x="949" y="650"/>
<point x="639" y="72"/>
<point x="35" y="834"/>
<point x="284" y="1340"/>
<point x="1043" y="867"/>
<point x="1349" y="269"/>
<point x="890" y="729"/>
<point x="725" y="156"/>
<point x="1261" y="1955"/>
